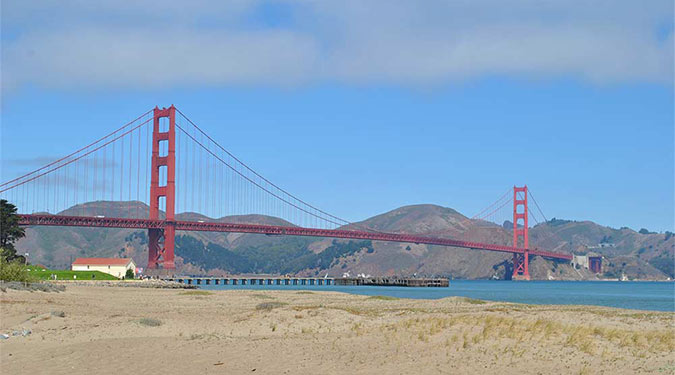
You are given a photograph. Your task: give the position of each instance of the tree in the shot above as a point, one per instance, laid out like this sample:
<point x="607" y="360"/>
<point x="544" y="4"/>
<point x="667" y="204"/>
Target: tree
<point x="10" y="231"/>
<point x="130" y="274"/>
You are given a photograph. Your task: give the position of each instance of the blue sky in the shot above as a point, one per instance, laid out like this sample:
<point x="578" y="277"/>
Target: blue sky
<point x="359" y="107"/>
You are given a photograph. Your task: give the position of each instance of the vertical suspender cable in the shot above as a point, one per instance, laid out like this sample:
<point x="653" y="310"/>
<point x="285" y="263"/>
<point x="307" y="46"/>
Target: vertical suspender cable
<point x="193" y="179"/>
<point x="112" y="173"/>
<point x="148" y="156"/>
<point x="138" y="176"/>
<point x="122" y="170"/>
<point x="131" y="143"/>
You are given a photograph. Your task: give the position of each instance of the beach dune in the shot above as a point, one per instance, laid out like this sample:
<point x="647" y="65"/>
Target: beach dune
<point x="106" y="330"/>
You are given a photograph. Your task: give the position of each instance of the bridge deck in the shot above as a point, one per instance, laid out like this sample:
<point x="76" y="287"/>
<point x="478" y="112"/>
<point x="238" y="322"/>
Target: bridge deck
<point x="106" y="222"/>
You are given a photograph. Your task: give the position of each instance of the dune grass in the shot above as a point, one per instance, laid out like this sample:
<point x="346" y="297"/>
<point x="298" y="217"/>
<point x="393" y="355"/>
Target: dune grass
<point x="586" y="338"/>
<point x="196" y="293"/>
<point x="261" y="296"/>
<point x="383" y="298"/>
<point x="474" y="301"/>
<point x="267" y="306"/>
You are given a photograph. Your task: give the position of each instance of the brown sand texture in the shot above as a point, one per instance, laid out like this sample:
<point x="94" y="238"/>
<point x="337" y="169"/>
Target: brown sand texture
<point x="95" y="330"/>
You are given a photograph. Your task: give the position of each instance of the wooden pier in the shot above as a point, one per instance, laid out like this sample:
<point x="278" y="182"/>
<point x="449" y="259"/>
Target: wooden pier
<point x="318" y="281"/>
<point x="394" y="281"/>
<point x="252" y="280"/>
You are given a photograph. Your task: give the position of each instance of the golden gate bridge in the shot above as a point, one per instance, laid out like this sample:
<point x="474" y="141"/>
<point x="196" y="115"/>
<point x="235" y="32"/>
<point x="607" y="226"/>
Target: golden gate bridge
<point x="164" y="159"/>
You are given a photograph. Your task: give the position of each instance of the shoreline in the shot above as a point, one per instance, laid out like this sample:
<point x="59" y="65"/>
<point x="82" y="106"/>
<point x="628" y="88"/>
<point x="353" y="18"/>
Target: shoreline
<point x="425" y="293"/>
<point x="647" y="296"/>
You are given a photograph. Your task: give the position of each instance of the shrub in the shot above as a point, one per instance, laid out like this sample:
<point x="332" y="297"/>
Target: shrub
<point x="269" y="305"/>
<point x="150" y="322"/>
<point x="129" y="274"/>
<point x="14" y="271"/>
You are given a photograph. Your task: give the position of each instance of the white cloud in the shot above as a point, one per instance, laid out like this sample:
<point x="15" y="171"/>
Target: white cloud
<point x="149" y="45"/>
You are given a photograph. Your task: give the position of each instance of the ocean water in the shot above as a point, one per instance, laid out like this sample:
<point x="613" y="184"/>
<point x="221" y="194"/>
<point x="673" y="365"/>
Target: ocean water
<point x="659" y="296"/>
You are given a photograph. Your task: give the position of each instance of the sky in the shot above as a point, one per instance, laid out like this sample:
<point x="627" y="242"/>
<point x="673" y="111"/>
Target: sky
<point x="361" y="107"/>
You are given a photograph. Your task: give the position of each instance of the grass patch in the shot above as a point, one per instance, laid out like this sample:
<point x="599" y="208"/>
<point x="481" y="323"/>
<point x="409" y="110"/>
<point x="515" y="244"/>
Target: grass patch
<point x="195" y="293"/>
<point x="267" y="306"/>
<point x="261" y="296"/>
<point x="474" y="301"/>
<point x="383" y="298"/>
<point x="45" y="274"/>
<point x="582" y="337"/>
<point x="150" y="322"/>
<point x="307" y="307"/>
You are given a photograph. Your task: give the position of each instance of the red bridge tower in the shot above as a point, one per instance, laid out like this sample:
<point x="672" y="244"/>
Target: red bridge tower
<point x="161" y="241"/>
<point x="520" y="261"/>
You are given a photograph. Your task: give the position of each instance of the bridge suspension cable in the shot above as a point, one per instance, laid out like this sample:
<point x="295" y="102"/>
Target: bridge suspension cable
<point x="537" y="205"/>
<point x="260" y="182"/>
<point x="256" y="183"/>
<point x="74" y="153"/>
<point x="84" y="176"/>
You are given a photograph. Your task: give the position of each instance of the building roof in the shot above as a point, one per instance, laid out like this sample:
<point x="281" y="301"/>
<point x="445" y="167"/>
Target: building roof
<point x="103" y="261"/>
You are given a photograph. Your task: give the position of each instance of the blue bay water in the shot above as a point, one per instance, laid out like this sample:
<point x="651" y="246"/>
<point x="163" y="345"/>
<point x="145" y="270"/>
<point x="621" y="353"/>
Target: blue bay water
<point x="658" y="296"/>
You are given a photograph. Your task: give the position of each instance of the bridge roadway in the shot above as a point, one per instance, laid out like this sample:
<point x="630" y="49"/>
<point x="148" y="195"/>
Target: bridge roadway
<point x="107" y="222"/>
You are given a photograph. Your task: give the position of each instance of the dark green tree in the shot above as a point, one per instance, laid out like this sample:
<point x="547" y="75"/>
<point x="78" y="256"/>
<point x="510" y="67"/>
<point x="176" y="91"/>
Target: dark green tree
<point x="10" y="231"/>
<point x="130" y="274"/>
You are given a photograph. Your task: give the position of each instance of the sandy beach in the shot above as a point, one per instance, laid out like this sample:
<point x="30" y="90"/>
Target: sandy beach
<point x="106" y="330"/>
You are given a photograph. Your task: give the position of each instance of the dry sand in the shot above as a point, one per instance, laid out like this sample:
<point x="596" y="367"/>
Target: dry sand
<point x="110" y="330"/>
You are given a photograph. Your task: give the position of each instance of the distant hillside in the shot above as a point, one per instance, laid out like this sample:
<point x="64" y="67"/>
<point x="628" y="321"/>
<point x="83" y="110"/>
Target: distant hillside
<point x="637" y="255"/>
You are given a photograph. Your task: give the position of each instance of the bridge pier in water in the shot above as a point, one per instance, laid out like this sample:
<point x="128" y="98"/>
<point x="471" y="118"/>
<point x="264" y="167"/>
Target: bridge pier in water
<point x="521" y="266"/>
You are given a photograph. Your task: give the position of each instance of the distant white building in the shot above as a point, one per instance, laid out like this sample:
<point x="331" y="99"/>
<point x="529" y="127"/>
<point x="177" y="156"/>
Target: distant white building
<point x="113" y="266"/>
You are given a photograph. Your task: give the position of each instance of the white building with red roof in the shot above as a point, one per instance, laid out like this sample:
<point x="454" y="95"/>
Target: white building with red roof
<point x="113" y="266"/>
